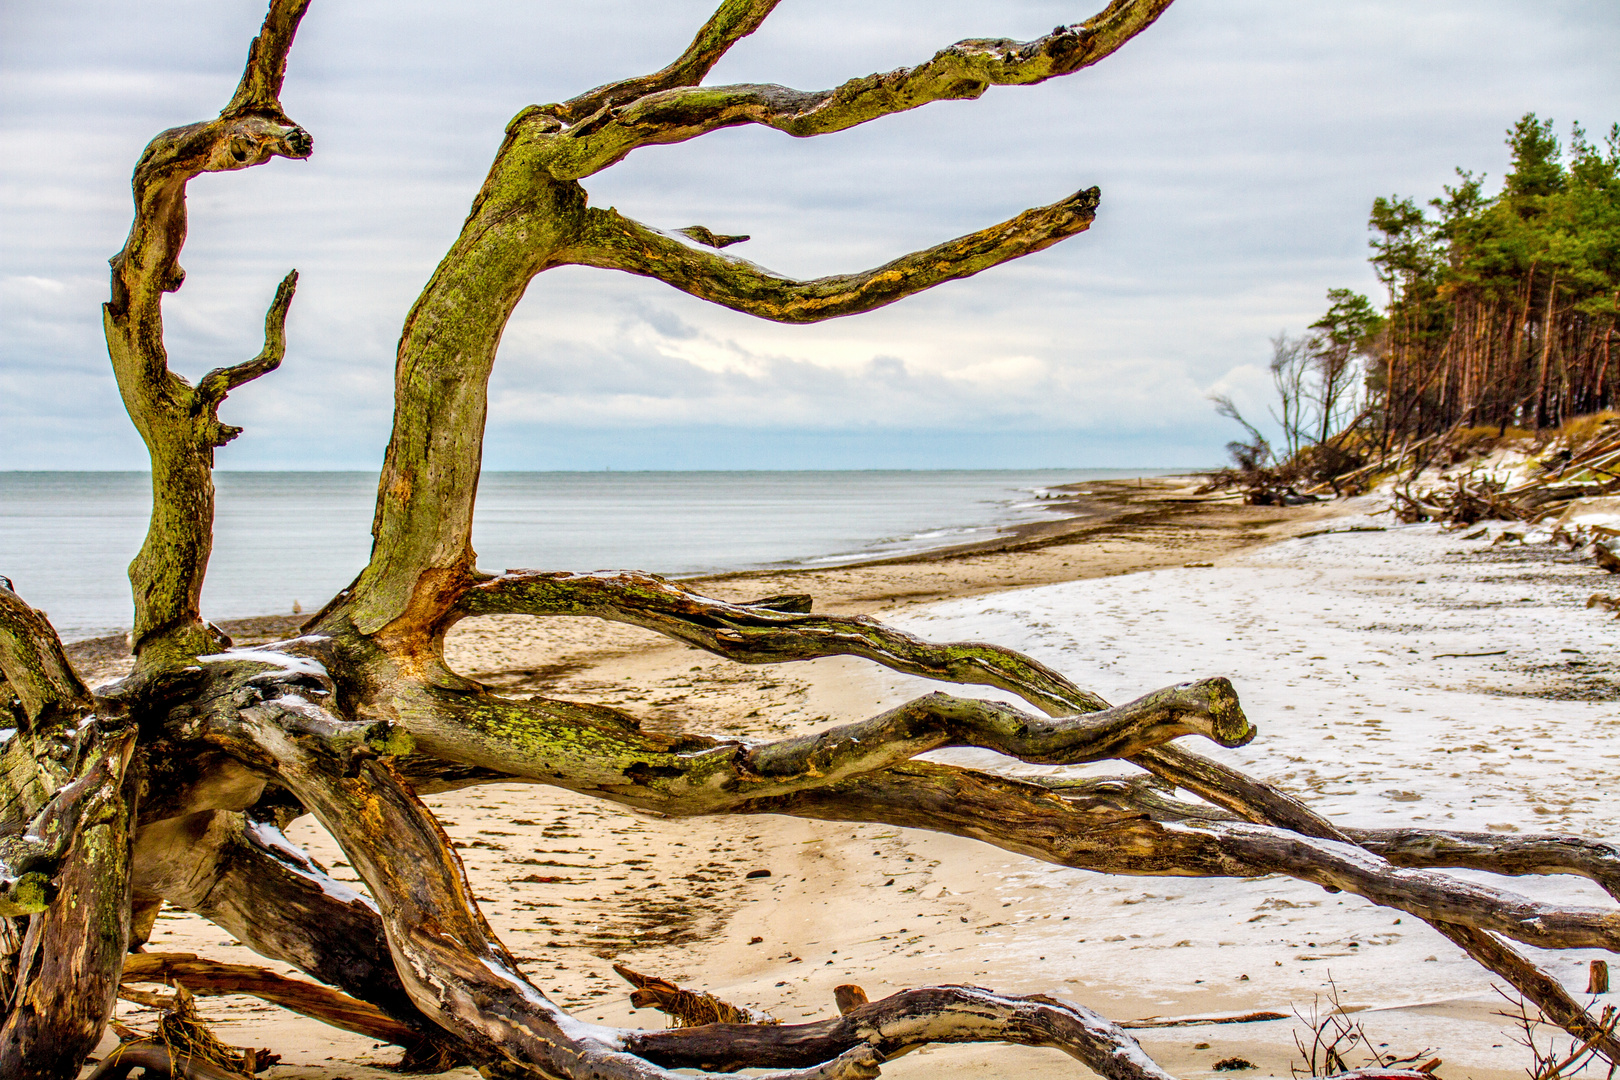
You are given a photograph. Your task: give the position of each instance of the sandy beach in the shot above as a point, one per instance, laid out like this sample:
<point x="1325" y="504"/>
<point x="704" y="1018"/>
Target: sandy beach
<point x="1338" y="642"/>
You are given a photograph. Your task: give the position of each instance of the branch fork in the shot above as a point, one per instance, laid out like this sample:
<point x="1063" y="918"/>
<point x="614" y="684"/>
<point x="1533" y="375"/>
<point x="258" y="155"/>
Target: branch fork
<point x="354" y="723"/>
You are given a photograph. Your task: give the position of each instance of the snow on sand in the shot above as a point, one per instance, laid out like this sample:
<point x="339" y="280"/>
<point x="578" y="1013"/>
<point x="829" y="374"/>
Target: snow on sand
<point x="1337" y="644"/>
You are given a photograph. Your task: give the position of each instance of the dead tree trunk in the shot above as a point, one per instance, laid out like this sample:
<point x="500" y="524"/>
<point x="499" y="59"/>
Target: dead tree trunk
<point x="175" y="783"/>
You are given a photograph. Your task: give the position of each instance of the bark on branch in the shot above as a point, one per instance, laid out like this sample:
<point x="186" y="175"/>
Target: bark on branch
<point x="32" y="856"/>
<point x="178" y="422"/>
<point x="614" y="242"/>
<point x="734" y="20"/>
<point x="211" y="978"/>
<point x="757" y="634"/>
<point x="904" y="1022"/>
<point x="35" y="669"/>
<point x="72" y="952"/>
<point x="961" y="71"/>
<point x="598" y="751"/>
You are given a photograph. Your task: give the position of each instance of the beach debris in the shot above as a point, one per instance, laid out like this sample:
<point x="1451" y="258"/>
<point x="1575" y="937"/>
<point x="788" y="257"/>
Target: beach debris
<point x="1233" y="1064"/>
<point x="1339" y="532"/>
<point x="1591" y="1047"/>
<point x="1597" y="977"/>
<point x="206" y="978"/>
<point x="687" y="1008"/>
<point x="181" y="1046"/>
<point x="1334" y="1037"/>
<point x="1604" y="600"/>
<point x="757" y="874"/>
<point x="848" y="997"/>
<point x="1201" y="1021"/>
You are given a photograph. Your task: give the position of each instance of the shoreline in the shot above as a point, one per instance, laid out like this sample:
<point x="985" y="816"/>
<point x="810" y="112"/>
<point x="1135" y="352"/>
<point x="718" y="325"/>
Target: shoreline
<point x="1315" y="631"/>
<point x="571" y="883"/>
<point x="1140" y="513"/>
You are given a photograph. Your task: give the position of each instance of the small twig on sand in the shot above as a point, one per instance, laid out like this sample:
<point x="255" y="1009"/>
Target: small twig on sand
<point x="1198" y="1021"/>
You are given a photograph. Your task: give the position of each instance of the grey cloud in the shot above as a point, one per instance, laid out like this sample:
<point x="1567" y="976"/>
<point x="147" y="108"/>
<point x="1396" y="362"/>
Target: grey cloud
<point x="1237" y="144"/>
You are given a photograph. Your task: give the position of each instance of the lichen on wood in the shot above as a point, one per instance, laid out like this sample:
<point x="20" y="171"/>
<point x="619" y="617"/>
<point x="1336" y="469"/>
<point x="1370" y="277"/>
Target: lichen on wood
<point x="176" y="784"/>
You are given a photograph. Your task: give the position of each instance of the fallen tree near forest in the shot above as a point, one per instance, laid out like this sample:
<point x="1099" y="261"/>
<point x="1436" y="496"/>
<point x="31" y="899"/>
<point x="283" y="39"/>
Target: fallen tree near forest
<point x="174" y="785"/>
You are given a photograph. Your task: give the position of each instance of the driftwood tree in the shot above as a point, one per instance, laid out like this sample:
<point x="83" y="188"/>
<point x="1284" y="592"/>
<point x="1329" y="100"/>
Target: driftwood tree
<point x="175" y="783"/>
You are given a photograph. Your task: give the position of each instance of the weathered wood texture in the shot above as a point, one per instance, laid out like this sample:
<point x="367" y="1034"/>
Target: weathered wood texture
<point x="175" y="784"/>
<point x="67" y="968"/>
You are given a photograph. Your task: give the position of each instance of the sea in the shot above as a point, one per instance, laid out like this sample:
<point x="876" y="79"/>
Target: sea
<point x="295" y="538"/>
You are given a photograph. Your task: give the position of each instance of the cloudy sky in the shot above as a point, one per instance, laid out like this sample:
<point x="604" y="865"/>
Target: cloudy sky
<point x="1238" y="144"/>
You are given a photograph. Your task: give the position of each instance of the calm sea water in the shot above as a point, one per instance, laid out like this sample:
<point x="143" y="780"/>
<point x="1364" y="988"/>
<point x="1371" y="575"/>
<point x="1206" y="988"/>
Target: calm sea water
<point x="66" y="538"/>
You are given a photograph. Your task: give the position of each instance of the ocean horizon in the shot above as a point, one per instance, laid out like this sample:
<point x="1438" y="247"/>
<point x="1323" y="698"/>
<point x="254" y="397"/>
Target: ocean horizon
<point x="286" y="538"/>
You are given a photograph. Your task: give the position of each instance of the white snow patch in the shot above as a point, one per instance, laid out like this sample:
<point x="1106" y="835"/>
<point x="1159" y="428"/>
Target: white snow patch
<point x="290" y="664"/>
<point x="1343" y="648"/>
<point x="297" y="860"/>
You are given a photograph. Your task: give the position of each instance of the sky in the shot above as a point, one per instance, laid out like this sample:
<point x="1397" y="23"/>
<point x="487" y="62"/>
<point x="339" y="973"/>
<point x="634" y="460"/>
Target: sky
<point x="1238" y="145"/>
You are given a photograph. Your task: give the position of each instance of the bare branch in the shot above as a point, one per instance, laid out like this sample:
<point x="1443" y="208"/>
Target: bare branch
<point x="735" y="20"/>
<point x="1305" y="845"/>
<point x="210" y="977"/>
<point x="260" y="88"/>
<point x="596" y="750"/>
<point x="156" y="1060"/>
<point x="532" y="214"/>
<point x="1259" y="802"/>
<point x="1546" y="992"/>
<point x="1596" y="860"/>
<point x="591" y="749"/>
<point x="1114" y="835"/>
<point x="709" y="238"/>
<point x="213" y="387"/>
<point x="904" y="1022"/>
<point x="961" y="71"/>
<point x="1206" y="708"/>
<point x="1512" y="856"/>
<point x="615" y="242"/>
<point x="760" y="634"/>
<point x="177" y="422"/>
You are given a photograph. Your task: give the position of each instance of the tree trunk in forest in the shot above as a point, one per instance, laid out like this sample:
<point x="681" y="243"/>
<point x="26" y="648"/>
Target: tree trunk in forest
<point x="175" y="784"/>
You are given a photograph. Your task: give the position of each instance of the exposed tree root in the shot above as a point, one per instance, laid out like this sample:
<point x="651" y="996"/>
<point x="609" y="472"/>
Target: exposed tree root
<point x="175" y="785"/>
